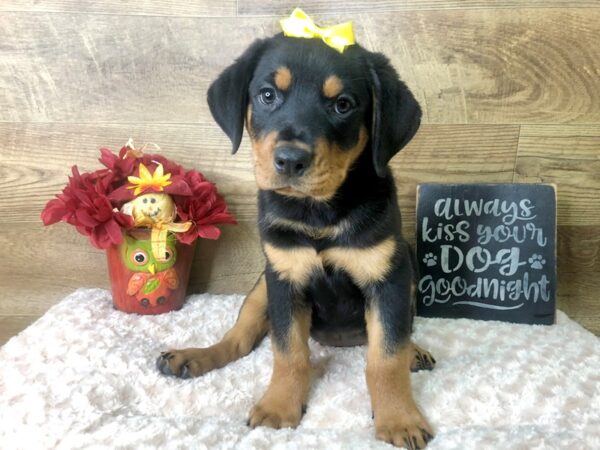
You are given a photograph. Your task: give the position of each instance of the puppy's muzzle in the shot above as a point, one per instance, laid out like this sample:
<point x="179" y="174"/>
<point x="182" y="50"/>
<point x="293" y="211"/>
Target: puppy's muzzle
<point x="291" y="161"/>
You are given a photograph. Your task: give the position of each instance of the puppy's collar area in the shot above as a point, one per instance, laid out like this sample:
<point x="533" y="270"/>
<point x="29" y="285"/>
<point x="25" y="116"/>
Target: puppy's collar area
<point x="299" y="25"/>
<point x="333" y="231"/>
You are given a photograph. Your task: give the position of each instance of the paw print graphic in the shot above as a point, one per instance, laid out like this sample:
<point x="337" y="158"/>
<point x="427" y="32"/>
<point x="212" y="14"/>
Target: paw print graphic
<point x="536" y="261"/>
<point x="430" y="259"/>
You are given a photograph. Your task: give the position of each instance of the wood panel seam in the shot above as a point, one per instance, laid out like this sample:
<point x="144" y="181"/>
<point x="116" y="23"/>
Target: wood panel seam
<point x="517" y="153"/>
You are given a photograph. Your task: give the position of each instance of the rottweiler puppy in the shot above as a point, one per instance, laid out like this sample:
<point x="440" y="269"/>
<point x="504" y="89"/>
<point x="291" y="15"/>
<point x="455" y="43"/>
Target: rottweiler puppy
<point x="323" y="126"/>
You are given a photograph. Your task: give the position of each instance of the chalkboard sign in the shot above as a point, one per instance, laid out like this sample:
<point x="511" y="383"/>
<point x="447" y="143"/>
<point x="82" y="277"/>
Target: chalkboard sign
<point x="487" y="251"/>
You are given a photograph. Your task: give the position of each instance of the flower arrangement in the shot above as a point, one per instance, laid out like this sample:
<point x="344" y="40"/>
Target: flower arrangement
<point x="147" y="213"/>
<point x="92" y="202"/>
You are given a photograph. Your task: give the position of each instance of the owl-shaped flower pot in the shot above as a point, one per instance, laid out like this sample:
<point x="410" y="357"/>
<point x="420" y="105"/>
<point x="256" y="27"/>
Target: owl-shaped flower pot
<point x="144" y="284"/>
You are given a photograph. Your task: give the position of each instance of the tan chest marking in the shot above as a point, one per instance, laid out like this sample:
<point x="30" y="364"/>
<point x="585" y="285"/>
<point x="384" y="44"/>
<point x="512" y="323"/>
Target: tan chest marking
<point x="364" y="265"/>
<point x="294" y="264"/>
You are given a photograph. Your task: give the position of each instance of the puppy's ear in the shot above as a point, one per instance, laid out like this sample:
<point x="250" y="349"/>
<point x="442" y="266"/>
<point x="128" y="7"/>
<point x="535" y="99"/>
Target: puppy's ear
<point x="396" y="113"/>
<point x="228" y="94"/>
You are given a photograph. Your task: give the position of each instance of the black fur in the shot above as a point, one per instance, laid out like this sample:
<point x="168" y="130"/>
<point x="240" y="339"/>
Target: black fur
<point x="366" y="201"/>
<point x="228" y="97"/>
<point x="396" y="115"/>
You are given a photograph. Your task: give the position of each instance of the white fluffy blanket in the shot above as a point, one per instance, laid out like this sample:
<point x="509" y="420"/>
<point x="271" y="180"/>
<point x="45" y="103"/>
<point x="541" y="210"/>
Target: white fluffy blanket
<point x="84" y="376"/>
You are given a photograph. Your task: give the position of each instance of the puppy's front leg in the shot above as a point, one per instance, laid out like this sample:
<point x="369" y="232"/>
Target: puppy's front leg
<point x="251" y="326"/>
<point x="389" y="357"/>
<point x="288" y="271"/>
<point x="383" y="272"/>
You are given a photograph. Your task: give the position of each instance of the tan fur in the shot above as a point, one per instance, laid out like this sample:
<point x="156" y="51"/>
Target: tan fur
<point x="332" y="87"/>
<point x="413" y="297"/>
<point x="294" y="143"/>
<point x="263" y="150"/>
<point x="328" y="171"/>
<point x="251" y="326"/>
<point x="397" y="418"/>
<point x="365" y="265"/>
<point x="330" y="166"/>
<point x="294" y="264"/>
<point x="249" y="122"/>
<point x="291" y="192"/>
<point x="314" y="232"/>
<point x="283" y="78"/>
<point x="281" y="405"/>
<point x="252" y="323"/>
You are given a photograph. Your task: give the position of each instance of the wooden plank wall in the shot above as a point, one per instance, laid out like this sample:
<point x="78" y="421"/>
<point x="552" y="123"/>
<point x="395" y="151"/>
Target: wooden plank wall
<point x="510" y="92"/>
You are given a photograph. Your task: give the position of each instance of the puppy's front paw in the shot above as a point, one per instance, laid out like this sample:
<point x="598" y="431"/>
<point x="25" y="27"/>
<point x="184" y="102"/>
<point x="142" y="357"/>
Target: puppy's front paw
<point x="275" y="414"/>
<point x="188" y="363"/>
<point x="413" y="435"/>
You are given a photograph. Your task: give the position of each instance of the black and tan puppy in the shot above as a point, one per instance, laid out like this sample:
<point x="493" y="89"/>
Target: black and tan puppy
<point x="323" y="127"/>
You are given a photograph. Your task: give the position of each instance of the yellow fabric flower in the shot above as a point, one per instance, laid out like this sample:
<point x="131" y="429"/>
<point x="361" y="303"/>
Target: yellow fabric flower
<point x="156" y="181"/>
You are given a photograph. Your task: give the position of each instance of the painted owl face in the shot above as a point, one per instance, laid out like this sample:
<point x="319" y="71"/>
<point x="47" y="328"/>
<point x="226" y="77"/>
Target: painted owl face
<point x="138" y="255"/>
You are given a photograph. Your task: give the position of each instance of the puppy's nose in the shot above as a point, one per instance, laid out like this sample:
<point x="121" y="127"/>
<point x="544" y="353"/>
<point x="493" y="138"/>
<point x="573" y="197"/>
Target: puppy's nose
<point x="292" y="162"/>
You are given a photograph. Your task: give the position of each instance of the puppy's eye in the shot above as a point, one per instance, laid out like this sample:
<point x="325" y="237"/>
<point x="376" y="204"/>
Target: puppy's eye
<point x="267" y="95"/>
<point x="343" y="105"/>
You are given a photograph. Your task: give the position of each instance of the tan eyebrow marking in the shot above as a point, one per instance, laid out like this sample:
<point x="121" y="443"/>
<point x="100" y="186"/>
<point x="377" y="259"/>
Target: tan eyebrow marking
<point x="332" y="87"/>
<point x="283" y="78"/>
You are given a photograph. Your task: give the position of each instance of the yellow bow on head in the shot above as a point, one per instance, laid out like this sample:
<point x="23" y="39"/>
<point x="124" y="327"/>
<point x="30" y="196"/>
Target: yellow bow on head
<point x="300" y="25"/>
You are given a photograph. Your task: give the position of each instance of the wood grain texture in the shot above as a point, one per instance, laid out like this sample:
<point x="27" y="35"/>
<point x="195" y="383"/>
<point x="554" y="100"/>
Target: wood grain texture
<point x="313" y="7"/>
<point x="201" y="8"/>
<point x="570" y="158"/>
<point x="538" y="66"/>
<point x="95" y="68"/>
<point x="496" y="66"/>
<point x="220" y="8"/>
<point x="453" y="154"/>
<point x="36" y="160"/>
<point x="12" y="325"/>
<point x="579" y="299"/>
<point x="578" y="249"/>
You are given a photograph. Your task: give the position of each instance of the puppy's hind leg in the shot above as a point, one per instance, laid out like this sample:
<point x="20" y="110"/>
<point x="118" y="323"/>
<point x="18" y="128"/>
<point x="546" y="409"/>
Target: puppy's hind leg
<point x="250" y="328"/>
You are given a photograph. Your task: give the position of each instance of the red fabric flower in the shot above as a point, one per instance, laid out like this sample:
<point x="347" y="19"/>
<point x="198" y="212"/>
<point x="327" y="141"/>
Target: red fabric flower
<point x="91" y="201"/>
<point x="204" y="208"/>
<point x="150" y="160"/>
<point x="118" y="167"/>
<point x="84" y="204"/>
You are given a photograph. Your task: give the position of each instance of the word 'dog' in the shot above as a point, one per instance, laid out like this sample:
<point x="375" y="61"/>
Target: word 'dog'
<point x="478" y="259"/>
